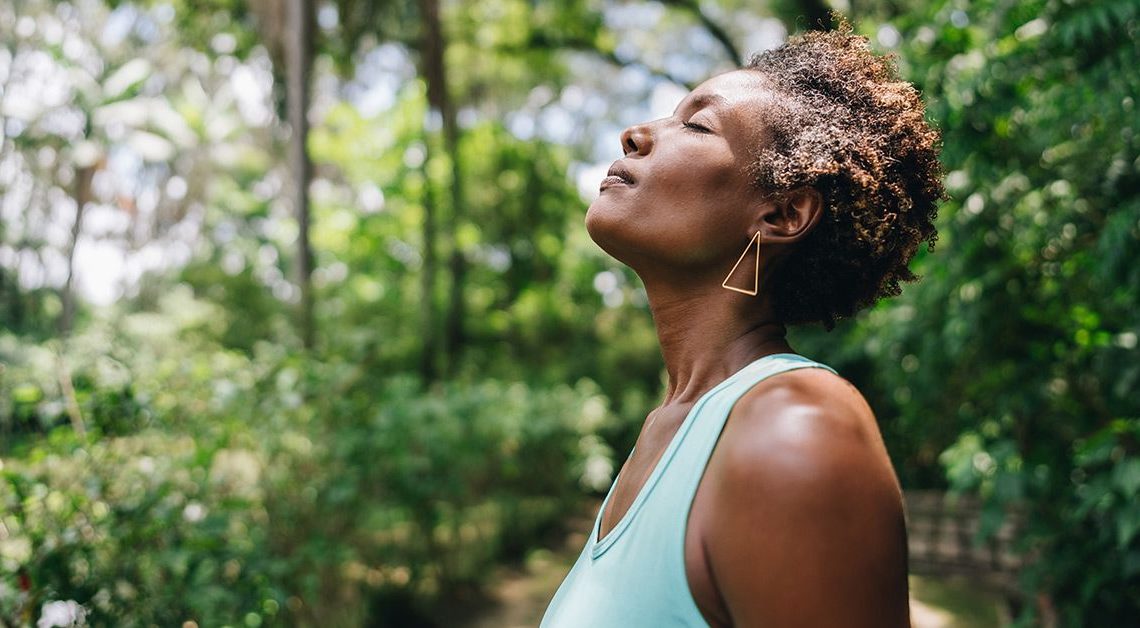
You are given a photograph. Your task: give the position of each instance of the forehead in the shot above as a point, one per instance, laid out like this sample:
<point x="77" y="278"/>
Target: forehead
<point x="738" y="87"/>
<point x="737" y="98"/>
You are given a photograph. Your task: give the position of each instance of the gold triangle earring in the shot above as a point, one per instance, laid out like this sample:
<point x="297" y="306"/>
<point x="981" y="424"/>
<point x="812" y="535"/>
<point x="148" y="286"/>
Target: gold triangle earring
<point x="755" y="277"/>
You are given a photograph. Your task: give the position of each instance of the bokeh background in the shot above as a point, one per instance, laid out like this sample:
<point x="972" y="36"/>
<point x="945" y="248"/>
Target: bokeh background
<point x="300" y="325"/>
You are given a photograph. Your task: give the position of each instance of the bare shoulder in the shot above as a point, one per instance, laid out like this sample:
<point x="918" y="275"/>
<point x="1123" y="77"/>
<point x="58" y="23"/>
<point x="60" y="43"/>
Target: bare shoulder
<point x="804" y="425"/>
<point x="806" y="502"/>
<point x="808" y="429"/>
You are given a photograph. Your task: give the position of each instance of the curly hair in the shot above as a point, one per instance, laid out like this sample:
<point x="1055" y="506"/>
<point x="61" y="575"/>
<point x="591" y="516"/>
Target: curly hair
<point x="845" y="124"/>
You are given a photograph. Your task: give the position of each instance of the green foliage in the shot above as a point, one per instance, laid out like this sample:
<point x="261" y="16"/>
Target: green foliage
<point x="257" y="494"/>
<point x="1093" y="570"/>
<point x="33" y="401"/>
<point x="1021" y="339"/>
<point x="141" y="530"/>
<point x="227" y="479"/>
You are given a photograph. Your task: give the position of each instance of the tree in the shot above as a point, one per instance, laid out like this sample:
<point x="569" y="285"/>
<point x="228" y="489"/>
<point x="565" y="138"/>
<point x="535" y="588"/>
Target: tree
<point x="299" y="55"/>
<point x="55" y="147"/>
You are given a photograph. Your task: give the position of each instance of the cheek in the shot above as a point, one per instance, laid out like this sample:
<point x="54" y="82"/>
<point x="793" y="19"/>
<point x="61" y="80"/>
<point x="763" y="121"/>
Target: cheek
<point x="685" y="214"/>
<point x="706" y="213"/>
<point x="703" y="184"/>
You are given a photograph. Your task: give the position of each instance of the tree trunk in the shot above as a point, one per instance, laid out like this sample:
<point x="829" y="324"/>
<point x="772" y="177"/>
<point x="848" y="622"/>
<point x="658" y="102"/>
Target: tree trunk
<point x="299" y="60"/>
<point x="81" y="194"/>
<point x="435" y="73"/>
<point x="429" y="369"/>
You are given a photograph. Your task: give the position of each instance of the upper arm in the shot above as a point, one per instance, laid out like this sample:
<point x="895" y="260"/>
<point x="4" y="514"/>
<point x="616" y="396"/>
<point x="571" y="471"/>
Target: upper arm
<point x="809" y="527"/>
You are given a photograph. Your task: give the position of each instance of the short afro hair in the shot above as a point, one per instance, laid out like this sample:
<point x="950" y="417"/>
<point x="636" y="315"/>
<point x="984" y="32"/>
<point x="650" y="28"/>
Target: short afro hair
<point x="845" y="124"/>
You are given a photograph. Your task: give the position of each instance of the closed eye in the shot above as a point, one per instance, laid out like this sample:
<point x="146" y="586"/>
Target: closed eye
<point x="696" y="127"/>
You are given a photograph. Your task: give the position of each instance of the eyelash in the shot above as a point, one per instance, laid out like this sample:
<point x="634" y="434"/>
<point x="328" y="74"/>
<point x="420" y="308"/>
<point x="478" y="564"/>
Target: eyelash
<point x="695" y="127"/>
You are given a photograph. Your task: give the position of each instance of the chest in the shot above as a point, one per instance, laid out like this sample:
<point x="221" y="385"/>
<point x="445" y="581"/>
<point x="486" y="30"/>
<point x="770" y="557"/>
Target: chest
<point x="635" y="473"/>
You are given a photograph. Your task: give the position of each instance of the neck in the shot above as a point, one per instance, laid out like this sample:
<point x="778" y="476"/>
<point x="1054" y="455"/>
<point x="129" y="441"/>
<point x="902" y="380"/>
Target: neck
<point x="706" y="335"/>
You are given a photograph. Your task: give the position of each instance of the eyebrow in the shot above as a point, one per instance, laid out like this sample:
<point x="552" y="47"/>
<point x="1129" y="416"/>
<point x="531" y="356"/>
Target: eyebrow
<point x="704" y="100"/>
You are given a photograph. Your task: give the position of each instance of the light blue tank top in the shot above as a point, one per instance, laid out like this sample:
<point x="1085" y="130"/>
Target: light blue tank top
<point x="635" y="576"/>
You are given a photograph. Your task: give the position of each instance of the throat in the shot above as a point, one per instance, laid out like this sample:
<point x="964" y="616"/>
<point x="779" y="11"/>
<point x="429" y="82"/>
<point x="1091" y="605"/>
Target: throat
<point x="697" y="362"/>
<point x="707" y="335"/>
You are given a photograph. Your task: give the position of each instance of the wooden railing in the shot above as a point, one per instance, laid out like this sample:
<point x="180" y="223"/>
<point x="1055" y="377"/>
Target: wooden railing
<point x="941" y="533"/>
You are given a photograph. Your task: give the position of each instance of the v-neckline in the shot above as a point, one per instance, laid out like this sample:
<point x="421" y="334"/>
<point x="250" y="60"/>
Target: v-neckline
<point x="600" y="545"/>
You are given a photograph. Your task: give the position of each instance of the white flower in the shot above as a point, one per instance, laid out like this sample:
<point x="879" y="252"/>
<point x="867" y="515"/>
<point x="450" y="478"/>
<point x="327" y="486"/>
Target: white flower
<point x="146" y="465"/>
<point x="194" y="512"/>
<point x="69" y="614"/>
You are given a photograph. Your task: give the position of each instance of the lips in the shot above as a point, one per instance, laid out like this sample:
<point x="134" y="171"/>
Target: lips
<point x="617" y="175"/>
<point x="621" y="173"/>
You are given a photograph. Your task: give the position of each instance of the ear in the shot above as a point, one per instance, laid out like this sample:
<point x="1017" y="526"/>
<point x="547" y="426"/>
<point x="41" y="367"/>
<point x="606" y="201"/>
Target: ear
<point x="789" y="216"/>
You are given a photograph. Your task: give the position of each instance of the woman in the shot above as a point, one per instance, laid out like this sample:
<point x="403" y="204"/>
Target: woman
<point x="759" y="492"/>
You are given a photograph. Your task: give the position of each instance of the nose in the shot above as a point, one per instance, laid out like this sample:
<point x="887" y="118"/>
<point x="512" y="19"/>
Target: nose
<point x="637" y="139"/>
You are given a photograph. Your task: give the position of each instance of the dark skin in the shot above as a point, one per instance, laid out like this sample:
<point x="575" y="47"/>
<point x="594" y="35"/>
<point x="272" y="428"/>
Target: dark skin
<point x="798" y="518"/>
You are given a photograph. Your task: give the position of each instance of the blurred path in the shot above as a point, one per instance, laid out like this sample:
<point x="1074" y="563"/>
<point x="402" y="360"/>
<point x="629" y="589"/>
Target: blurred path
<point x="521" y="594"/>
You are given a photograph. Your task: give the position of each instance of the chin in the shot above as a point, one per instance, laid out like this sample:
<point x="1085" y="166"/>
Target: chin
<point x="614" y="231"/>
<point x="603" y="223"/>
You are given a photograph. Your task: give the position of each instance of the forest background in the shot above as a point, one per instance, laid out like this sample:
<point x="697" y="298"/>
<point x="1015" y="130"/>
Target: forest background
<point x="229" y="399"/>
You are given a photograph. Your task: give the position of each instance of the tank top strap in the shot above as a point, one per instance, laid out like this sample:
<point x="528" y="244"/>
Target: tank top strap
<point x="692" y="456"/>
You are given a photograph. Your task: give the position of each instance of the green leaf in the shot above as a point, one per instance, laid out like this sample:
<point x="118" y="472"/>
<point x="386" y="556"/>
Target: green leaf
<point x="1126" y="476"/>
<point x="1127" y="525"/>
<point x="27" y="393"/>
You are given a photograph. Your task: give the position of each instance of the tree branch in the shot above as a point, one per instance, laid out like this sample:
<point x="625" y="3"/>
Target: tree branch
<point x="542" y="41"/>
<point x="714" y="29"/>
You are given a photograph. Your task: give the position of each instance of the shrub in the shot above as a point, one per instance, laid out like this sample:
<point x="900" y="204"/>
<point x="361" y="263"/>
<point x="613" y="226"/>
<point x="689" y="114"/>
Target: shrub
<point x="277" y="488"/>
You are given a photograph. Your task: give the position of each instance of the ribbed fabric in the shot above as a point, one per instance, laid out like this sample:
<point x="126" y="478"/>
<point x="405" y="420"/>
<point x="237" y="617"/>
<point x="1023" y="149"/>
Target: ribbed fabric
<point x="635" y="576"/>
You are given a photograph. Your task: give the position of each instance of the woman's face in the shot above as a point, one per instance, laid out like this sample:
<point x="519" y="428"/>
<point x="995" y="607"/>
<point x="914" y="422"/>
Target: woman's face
<point x="682" y="195"/>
